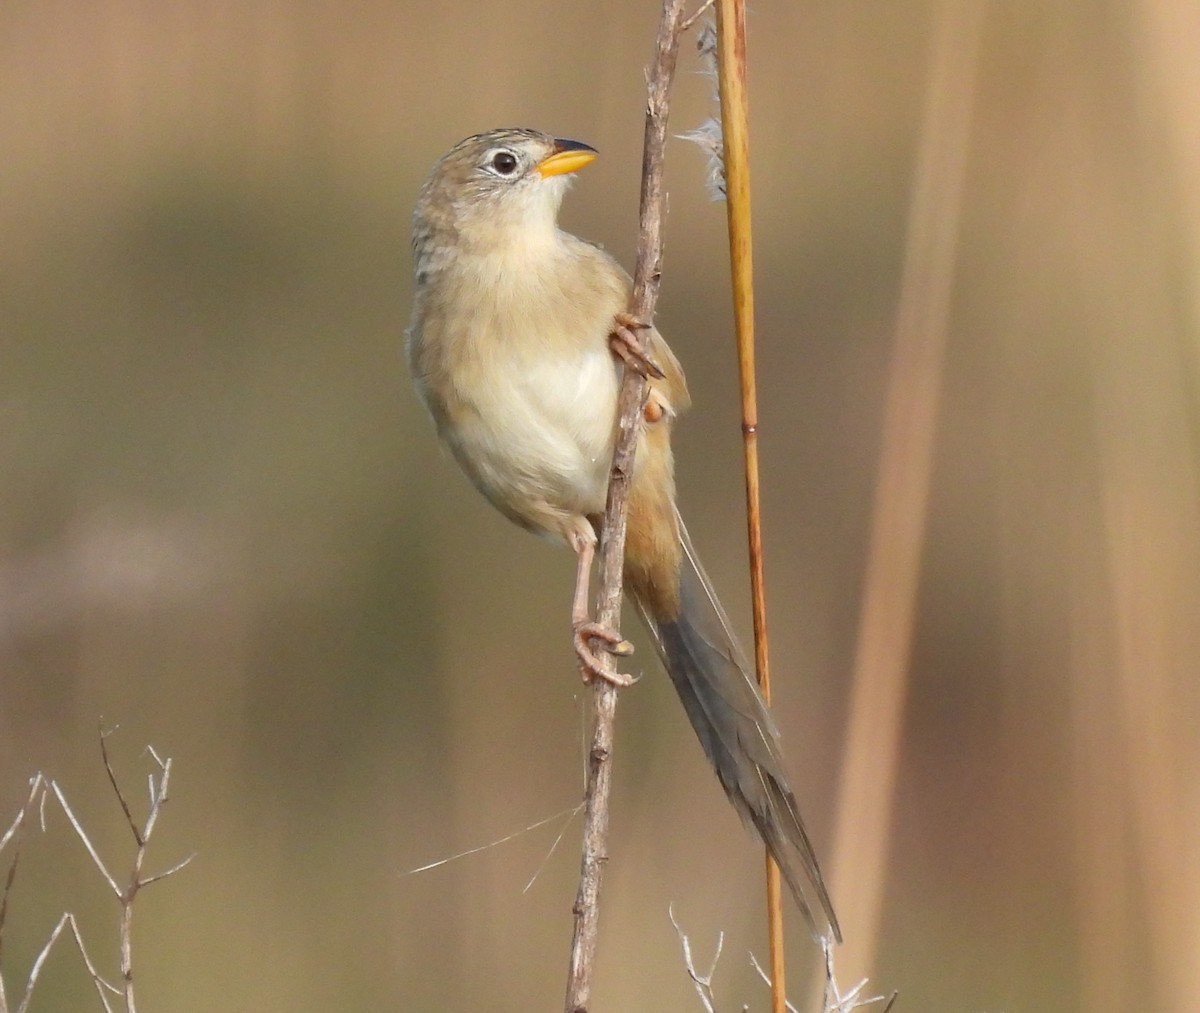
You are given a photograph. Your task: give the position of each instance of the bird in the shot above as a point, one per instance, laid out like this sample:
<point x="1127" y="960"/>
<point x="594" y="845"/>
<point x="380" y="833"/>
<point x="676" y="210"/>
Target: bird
<point x="518" y="337"/>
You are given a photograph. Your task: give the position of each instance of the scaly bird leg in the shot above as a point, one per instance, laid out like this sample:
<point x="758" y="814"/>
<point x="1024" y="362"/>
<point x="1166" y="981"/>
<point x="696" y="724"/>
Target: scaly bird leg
<point x="586" y="630"/>
<point x="623" y="340"/>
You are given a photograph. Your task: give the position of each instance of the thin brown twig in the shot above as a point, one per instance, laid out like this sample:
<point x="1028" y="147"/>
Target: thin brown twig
<point x="36" y="785"/>
<point x="98" y="981"/>
<point x="646" y="278"/>
<point x="15" y="832"/>
<point x="112" y="779"/>
<point x="127" y="895"/>
<point x="701" y="982"/>
<point x="86" y="841"/>
<point x="39" y="788"/>
<point x="697" y="14"/>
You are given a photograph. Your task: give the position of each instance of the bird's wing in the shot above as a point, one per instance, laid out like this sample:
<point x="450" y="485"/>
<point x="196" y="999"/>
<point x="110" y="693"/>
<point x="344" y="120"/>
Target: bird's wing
<point x="673" y="384"/>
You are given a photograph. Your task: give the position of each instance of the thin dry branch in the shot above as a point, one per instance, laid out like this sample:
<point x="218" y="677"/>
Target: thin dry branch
<point x="697" y="14"/>
<point x="36" y="785"/>
<point x="646" y="278"/>
<point x="112" y="779"/>
<point x="83" y="837"/>
<point x="834" y="999"/>
<point x="15" y="832"/>
<point x="38" y="790"/>
<point x="98" y="981"/>
<point x="701" y="982"/>
<point x="40" y="787"/>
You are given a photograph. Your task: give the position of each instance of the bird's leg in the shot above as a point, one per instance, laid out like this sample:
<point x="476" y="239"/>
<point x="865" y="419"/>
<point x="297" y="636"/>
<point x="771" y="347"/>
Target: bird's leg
<point x="623" y="340"/>
<point x="584" y="629"/>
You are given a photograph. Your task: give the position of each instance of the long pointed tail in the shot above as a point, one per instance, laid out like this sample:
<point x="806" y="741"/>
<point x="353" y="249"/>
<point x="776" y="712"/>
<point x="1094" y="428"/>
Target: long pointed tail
<point x="736" y="730"/>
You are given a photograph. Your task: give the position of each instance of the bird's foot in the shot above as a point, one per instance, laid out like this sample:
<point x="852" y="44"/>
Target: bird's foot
<point x="612" y="643"/>
<point x="624" y="341"/>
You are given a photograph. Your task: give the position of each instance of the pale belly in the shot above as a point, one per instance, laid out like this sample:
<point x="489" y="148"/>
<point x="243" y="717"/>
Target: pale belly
<point x="537" y="437"/>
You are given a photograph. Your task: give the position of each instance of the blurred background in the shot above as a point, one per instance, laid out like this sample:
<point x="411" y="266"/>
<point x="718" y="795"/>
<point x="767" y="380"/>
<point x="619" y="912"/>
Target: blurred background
<point x="225" y="524"/>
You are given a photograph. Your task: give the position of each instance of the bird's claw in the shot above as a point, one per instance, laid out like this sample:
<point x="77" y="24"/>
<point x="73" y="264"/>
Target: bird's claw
<point x="612" y="643"/>
<point x="623" y="340"/>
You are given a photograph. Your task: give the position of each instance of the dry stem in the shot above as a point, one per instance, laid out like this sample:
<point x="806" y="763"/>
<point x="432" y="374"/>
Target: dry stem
<point x="126" y="895"/>
<point x="735" y="108"/>
<point x="702" y="982"/>
<point x="629" y="410"/>
<point x="834" y="999"/>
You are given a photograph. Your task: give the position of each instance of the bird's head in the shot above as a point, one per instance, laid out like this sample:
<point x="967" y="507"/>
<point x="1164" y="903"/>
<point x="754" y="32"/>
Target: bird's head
<point x="494" y="189"/>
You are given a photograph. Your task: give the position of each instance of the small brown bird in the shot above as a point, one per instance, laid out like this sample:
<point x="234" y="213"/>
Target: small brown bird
<point x="514" y="346"/>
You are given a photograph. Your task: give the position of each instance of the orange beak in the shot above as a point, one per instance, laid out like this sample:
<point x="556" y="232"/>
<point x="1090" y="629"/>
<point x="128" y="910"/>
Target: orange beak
<point x="567" y="156"/>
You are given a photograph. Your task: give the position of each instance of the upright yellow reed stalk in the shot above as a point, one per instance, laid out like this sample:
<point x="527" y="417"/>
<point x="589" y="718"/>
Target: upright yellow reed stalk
<point x="731" y="77"/>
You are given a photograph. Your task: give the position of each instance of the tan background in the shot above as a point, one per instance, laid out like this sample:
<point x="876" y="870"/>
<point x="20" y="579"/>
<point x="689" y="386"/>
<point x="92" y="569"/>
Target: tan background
<point x="225" y="524"/>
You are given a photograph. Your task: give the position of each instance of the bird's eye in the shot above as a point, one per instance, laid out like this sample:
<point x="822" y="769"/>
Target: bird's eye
<point x="505" y="163"/>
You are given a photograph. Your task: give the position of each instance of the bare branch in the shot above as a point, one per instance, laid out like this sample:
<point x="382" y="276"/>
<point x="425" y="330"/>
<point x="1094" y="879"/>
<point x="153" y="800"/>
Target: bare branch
<point x="835" y="1001"/>
<point x="82" y="835"/>
<point x="629" y="418"/>
<point x="97" y="980"/>
<point x="702" y="982"/>
<point x="158" y="797"/>
<point x="112" y="779"/>
<point x="169" y="872"/>
<point x="771" y="985"/>
<point x="100" y="983"/>
<point x="39" y="788"/>
<point x="36" y="785"/>
<point x="158" y="792"/>
<point x="16" y="831"/>
<point x="697" y="15"/>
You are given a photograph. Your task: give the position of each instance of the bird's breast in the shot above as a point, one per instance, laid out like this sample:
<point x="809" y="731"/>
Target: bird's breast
<point x="539" y="432"/>
<point x="524" y="387"/>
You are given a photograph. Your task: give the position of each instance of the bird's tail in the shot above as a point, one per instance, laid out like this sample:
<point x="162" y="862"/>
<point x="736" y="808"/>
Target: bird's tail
<point x="735" y="728"/>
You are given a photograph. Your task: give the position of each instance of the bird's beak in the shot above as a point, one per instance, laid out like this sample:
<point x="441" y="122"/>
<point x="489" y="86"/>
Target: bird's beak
<point x="567" y="156"/>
